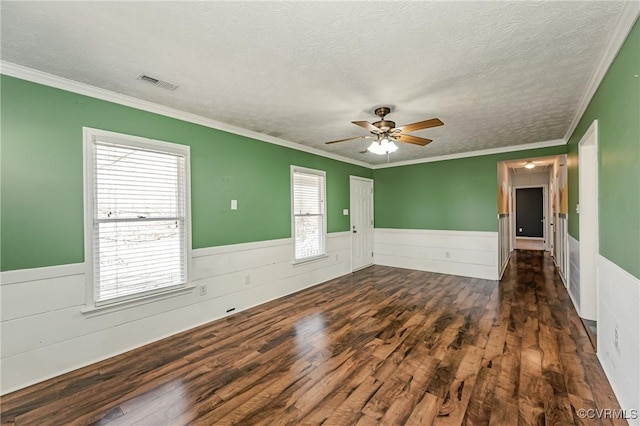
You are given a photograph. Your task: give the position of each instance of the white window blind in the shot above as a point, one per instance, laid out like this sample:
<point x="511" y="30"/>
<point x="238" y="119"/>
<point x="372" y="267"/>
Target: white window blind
<point x="139" y="221"/>
<point x="308" y="193"/>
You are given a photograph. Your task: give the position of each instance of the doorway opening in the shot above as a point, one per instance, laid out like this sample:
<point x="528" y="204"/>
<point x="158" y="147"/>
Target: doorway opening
<point x="532" y="208"/>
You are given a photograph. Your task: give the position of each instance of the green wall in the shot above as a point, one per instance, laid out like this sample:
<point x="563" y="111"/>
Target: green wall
<point x="616" y="106"/>
<point x="458" y="195"/>
<point x="41" y="176"/>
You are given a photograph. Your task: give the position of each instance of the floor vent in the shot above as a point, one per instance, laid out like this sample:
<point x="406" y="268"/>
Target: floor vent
<point x="157" y="82"/>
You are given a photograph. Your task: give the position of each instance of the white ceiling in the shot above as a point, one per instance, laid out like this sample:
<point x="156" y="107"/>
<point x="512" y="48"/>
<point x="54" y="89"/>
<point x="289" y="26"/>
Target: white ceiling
<point x="497" y="73"/>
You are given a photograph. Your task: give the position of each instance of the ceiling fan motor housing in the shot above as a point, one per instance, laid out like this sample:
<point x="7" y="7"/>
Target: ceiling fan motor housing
<point x="385" y="125"/>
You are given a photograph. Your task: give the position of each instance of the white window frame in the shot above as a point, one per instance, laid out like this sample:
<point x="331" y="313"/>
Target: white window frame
<point x="90" y="135"/>
<point x="293" y="215"/>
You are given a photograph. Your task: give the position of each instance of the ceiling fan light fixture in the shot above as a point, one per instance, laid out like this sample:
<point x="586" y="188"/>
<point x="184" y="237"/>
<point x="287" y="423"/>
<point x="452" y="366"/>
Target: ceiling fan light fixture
<point x="390" y="146"/>
<point x="375" y="148"/>
<point x="529" y="165"/>
<point x="383" y="146"/>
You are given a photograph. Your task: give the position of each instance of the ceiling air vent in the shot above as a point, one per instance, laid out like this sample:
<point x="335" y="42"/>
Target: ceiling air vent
<point x="157" y="82"/>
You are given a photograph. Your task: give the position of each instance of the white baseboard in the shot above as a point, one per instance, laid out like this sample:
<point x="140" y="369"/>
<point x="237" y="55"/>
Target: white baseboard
<point x="564" y="282"/>
<point x="45" y="334"/>
<point x="465" y="253"/>
<point x="619" y="309"/>
<point x="504" y="266"/>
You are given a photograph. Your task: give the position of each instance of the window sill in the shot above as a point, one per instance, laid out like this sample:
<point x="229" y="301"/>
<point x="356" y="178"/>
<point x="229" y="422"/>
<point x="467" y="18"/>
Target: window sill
<point x="309" y="260"/>
<point x="94" y="311"/>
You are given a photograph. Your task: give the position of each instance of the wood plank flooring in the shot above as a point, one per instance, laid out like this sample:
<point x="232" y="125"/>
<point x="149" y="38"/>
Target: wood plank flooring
<point x="380" y="346"/>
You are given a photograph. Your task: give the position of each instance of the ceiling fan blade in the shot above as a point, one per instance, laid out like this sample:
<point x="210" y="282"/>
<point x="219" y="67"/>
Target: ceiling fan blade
<point x="366" y="125"/>
<point x="412" y="139"/>
<point x="349" y="139"/>
<point x="434" y="122"/>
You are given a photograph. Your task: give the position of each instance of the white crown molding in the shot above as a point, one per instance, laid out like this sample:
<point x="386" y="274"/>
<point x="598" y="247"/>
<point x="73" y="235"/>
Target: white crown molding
<point x="479" y="153"/>
<point x="35" y="76"/>
<point x="626" y="19"/>
<point x="29" y="74"/>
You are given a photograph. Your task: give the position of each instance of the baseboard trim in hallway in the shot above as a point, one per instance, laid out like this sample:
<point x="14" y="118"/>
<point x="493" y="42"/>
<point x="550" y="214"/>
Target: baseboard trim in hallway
<point x="591" y="327"/>
<point x="383" y="345"/>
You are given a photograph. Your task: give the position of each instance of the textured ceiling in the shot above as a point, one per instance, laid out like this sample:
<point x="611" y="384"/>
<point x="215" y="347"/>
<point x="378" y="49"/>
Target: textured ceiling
<point x="497" y="73"/>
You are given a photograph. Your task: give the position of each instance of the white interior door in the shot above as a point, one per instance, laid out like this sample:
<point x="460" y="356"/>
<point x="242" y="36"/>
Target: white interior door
<point x="361" y="190"/>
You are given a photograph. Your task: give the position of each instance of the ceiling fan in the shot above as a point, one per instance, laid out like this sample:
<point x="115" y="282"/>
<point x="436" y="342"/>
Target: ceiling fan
<point x="384" y="132"/>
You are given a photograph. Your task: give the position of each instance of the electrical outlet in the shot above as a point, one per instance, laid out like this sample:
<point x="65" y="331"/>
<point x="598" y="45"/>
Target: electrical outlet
<point x="203" y="290"/>
<point x="447" y="254"/>
<point x="616" y="339"/>
<point x="247" y="279"/>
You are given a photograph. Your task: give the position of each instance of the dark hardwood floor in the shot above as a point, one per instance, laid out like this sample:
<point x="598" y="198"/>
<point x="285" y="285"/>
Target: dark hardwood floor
<point x="380" y="346"/>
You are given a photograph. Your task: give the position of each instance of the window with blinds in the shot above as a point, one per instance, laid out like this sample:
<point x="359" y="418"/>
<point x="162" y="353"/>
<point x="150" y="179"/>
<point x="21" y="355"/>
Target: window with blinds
<point x="139" y="218"/>
<point x="308" y="213"/>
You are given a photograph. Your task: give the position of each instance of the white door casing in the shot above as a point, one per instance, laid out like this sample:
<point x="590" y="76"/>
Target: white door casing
<point x="361" y="214"/>
<point x="587" y="210"/>
<point x="561" y="253"/>
<point x="545" y="212"/>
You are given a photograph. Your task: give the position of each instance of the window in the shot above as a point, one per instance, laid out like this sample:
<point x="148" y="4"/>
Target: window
<point x="308" y="213"/>
<point x="137" y="222"/>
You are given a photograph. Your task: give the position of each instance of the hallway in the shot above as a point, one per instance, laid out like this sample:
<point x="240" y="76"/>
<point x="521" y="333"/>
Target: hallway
<point x="558" y="365"/>
<point x="379" y="346"/>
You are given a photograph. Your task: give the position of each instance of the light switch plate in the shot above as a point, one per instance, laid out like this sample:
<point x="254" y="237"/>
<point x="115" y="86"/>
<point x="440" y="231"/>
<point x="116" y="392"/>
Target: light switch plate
<point x="234" y="204"/>
<point x="345" y="212"/>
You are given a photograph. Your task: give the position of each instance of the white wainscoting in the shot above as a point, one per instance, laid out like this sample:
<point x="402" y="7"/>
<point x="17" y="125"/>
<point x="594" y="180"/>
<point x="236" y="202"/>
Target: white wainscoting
<point x="574" y="272"/>
<point x="561" y="247"/>
<point x="619" y="307"/>
<point x="45" y="334"/>
<point x="504" y="245"/>
<point x="466" y="253"/>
